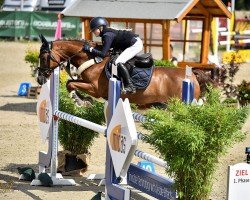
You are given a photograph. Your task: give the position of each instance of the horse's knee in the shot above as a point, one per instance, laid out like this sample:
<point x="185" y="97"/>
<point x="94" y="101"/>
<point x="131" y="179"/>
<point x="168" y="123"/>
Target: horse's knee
<point x="69" y="86"/>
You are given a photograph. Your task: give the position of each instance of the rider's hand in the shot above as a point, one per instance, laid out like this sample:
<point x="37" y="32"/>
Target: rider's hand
<point x="86" y="47"/>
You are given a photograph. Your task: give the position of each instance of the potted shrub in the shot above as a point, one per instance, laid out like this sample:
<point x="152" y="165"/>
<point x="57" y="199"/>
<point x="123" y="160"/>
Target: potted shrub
<point x="227" y="77"/>
<point x="76" y="140"/>
<point x="231" y="102"/>
<point x="191" y="138"/>
<point x="243" y="93"/>
<point x="32" y="57"/>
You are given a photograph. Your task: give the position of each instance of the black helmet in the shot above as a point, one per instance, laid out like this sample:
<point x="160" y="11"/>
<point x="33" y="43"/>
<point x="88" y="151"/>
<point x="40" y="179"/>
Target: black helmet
<point x="96" y="22"/>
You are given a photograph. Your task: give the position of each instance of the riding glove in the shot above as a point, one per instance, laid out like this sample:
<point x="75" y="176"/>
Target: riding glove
<point x="86" y="47"/>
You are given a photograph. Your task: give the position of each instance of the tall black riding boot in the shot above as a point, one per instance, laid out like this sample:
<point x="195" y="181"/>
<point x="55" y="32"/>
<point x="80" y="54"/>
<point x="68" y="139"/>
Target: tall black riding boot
<point x="128" y="85"/>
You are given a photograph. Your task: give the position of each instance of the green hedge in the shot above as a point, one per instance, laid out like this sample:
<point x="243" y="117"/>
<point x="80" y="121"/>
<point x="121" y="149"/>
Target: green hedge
<point x="164" y="63"/>
<point x="73" y="137"/>
<point x="191" y="139"/>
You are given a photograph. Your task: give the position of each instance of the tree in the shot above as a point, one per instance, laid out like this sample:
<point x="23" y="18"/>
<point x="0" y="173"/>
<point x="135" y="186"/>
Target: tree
<point x="239" y="4"/>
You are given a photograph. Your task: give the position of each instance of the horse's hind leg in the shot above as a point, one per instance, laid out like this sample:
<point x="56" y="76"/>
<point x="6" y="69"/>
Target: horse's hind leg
<point x="86" y="98"/>
<point x="73" y="86"/>
<point x="158" y="105"/>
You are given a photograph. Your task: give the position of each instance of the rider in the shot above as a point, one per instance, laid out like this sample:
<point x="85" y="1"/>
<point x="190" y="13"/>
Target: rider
<point x="124" y="40"/>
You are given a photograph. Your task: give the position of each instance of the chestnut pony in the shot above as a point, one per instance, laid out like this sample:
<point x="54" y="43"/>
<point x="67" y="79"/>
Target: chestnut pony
<point x="165" y="82"/>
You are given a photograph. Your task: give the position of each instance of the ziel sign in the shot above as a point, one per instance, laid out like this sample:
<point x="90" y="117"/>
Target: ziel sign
<point x="239" y="181"/>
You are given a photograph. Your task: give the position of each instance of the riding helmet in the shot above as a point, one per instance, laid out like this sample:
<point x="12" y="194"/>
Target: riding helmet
<point x="96" y="22"/>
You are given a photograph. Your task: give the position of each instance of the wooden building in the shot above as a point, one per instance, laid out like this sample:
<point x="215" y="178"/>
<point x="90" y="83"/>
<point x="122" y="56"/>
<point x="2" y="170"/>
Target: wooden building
<point x="173" y="22"/>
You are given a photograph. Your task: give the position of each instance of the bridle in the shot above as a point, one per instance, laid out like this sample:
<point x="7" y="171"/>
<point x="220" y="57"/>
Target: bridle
<point x="46" y="71"/>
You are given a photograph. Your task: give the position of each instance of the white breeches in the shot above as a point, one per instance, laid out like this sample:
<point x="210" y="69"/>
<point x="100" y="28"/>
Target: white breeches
<point x="130" y="52"/>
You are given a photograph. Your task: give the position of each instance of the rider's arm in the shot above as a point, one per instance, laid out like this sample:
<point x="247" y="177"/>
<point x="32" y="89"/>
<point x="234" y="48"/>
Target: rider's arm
<point x="107" y="41"/>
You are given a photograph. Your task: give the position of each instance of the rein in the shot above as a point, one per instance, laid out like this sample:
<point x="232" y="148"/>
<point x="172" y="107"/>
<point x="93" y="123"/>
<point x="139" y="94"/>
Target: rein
<point x="46" y="71"/>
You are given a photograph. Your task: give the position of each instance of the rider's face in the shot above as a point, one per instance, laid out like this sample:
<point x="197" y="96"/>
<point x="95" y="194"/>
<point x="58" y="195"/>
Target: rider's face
<point x="97" y="32"/>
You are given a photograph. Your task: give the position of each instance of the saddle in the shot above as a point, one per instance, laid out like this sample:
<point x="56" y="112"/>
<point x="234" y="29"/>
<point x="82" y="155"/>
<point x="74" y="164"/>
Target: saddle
<point x="141" y="61"/>
<point x="140" y="69"/>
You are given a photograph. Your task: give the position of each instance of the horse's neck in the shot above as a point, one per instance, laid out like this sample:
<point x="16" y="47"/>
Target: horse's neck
<point x="97" y="68"/>
<point x="72" y="50"/>
<point x="68" y="49"/>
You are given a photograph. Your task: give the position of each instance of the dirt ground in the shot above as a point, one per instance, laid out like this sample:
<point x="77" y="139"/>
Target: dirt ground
<point x="20" y="139"/>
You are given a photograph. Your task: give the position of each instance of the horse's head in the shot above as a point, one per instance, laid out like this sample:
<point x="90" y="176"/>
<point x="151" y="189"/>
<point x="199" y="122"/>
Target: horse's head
<point x="48" y="61"/>
<point x="52" y="56"/>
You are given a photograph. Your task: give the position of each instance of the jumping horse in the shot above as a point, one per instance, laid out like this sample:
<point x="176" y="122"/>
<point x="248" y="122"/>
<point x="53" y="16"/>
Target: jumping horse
<point x="165" y="82"/>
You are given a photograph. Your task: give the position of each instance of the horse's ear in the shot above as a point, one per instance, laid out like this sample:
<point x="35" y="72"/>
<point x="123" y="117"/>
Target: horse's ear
<point x="43" y="40"/>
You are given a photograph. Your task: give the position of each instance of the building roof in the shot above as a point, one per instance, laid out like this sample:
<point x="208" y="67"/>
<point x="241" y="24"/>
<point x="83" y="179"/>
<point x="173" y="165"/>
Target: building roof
<point x="145" y="9"/>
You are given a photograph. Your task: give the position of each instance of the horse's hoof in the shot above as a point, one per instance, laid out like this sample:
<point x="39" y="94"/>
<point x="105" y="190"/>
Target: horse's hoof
<point x="72" y="95"/>
<point x="79" y="103"/>
<point x="87" y="104"/>
<point x="89" y="99"/>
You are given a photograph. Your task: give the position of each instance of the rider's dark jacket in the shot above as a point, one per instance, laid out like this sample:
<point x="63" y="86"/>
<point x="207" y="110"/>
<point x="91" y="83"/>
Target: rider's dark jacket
<point x="116" y="39"/>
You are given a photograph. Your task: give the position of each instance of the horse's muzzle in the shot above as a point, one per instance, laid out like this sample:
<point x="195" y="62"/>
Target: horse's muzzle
<point x="41" y="80"/>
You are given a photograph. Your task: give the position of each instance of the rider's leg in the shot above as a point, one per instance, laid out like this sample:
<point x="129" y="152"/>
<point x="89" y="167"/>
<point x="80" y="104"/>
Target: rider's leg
<point x="123" y="72"/>
<point x="130" y="52"/>
<point x="126" y="55"/>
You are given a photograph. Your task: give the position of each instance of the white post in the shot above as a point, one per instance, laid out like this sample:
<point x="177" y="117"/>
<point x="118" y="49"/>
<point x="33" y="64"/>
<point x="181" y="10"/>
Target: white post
<point x="216" y="45"/>
<point x="187" y="36"/>
<point x="55" y="122"/>
<point x="232" y="5"/>
<point x="228" y="29"/>
<point x="57" y="178"/>
<point x="21" y="6"/>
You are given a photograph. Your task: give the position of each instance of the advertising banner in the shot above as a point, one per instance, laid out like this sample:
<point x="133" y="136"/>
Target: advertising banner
<point x="43" y="23"/>
<point x="14" y="24"/>
<point x="31" y="24"/>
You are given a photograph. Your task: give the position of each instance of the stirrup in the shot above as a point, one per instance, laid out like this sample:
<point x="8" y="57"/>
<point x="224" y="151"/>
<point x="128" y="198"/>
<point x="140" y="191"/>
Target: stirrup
<point x="129" y="89"/>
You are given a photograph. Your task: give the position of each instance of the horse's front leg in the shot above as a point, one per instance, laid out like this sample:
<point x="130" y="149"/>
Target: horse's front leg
<point x="74" y="85"/>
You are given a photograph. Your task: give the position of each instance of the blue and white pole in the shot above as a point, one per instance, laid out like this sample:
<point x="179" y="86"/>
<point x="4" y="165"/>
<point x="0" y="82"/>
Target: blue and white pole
<point x="188" y="87"/>
<point x="113" y="189"/>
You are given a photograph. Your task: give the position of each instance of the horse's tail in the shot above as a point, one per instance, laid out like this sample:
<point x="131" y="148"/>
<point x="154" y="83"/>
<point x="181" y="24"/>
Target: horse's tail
<point x="204" y="80"/>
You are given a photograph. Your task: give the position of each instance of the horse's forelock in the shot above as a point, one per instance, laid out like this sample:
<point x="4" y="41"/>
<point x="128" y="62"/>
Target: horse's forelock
<point x="45" y="47"/>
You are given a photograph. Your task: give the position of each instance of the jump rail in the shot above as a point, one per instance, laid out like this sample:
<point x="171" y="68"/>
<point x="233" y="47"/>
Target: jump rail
<point x="101" y="129"/>
<point x="113" y="189"/>
<point x="81" y="122"/>
<point x="139" y="117"/>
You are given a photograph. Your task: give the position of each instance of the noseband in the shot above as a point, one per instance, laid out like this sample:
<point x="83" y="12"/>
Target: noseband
<point x="46" y="71"/>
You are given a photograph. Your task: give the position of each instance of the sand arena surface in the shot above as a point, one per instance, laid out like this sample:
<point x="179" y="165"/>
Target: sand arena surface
<point x="20" y="139"/>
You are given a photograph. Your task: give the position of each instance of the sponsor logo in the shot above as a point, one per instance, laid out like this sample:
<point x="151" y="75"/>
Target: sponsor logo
<point x="13" y="23"/>
<point x="117" y="140"/>
<point x="44" y="112"/>
<point x="52" y="25"/>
